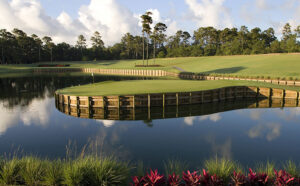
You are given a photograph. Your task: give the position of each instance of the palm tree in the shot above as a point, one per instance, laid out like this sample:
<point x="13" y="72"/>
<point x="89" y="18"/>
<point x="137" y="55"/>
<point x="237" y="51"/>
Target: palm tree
<point x="159" y="36"/>
<point x="146" y="21"/>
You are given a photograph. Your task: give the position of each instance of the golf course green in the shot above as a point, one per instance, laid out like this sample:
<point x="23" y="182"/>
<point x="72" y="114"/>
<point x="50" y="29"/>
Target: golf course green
<point x="132" y="87"/>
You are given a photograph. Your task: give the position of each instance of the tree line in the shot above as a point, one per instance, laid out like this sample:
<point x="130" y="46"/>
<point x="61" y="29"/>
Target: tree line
<point x="19" y="48"/>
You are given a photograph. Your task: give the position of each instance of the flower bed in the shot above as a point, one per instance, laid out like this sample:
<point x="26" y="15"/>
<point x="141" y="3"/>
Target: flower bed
<point x="153" y="178"/>
<point x="53" y="65"/>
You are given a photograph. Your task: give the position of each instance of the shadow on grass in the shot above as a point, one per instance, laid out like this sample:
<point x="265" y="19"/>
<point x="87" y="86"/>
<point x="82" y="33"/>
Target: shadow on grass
<point x="225" y="70"/>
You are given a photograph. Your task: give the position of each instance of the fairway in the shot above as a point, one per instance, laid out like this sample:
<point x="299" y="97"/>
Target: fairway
<point x="262" y="66"/>
<point x="156" y="86"/>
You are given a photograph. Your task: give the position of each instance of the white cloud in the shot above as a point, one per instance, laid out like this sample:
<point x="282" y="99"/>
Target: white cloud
<point x="190" y="120"/>
<point x="37" y="112"/>
<point x="210" y="13"/>
<point x="269" y="131"/>
<point x="105" y="16"/>
<point x="263" y="4"/>
<point x="109" y="18"/>
<point x="107" y="123"/>
<point x="221" y="149"/>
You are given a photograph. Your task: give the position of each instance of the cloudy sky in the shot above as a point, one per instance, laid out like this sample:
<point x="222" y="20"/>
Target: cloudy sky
<point x="64" y="20"/>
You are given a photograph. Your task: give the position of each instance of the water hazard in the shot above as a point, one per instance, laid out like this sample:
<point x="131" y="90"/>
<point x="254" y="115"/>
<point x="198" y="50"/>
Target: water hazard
<point x="30" y="121"/>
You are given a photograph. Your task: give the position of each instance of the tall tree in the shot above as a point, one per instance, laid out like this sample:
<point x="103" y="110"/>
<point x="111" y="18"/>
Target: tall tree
<point x="81" y="44"/>
<point x="49" y="46"/>
<point x="158" y="36"/>
<point x="243" y="37"/>
<point x="185" y="38"/>
<point x="207" y="38"/>
<point x="127" y="41"/>
<point x="297" y="30"/>
<point x="138" y="46"/>
<point x="97" y="40"/>
<point x="146" y="21"/>
<point x="38" y="43"/>
<point x="97" y="45"/>
<point x="286" y="32"/>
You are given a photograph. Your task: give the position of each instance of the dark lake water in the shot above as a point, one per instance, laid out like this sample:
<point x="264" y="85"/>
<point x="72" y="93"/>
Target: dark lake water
<point x="30" y="121"/>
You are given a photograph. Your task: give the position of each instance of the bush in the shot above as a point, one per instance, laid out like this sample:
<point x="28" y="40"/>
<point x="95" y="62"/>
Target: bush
<point x="161" y="54"/>
<point x="32" y="170"/>
<point x="9" y="174"/>
<point x="221" y="167"/>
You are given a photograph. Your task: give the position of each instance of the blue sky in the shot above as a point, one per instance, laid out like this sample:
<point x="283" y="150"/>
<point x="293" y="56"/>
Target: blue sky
<point x="65" y="19"/>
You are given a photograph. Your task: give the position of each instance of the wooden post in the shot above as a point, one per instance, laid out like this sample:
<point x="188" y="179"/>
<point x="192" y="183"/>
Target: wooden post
<point x="118" y="101"/>
<point x="149" y="100"/>
<point x="177" y="100"/>
<point x="190" y="98"/>
<point x="133" y="113"/>
<point x="103" y="102"/>
<point x="133" y="102"/>
<point x="164" y="101"/>
<point x="78" y="107"/>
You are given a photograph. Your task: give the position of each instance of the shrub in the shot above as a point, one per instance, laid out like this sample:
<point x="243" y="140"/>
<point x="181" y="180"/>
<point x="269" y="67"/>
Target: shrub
<point x="32" y="170"/>
<point x="282" y="178"/>
<point x="267" y="168"/>
<point x="54" y="173"/>
<point x="96" y="171"/>
<point x="174" y="180"/>
<point x="220" y="167"/>
<point x="191" y="179"/>
<point x="175" y="166"/>
<point x="291" y="168"/>
<point x="161" y="54"/>
<point x="9" y="174"/>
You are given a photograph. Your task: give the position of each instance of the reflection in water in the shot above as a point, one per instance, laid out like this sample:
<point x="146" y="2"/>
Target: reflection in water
<point x="237" y="130"/>
<point x="213" y="117"/>
<point x="36" y="112"/>
<point x="220" y="149"/>
<point x="270" y="131"/>
<point x="106" y="123"/>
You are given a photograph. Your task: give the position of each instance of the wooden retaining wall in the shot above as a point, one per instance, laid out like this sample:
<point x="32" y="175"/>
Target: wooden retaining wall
<point x="175" y="99"/>
<point x="159" y="73"/>
<point x="121" y="72"/>
<point x="192" y="76"/>
<point x="149" y="113"/>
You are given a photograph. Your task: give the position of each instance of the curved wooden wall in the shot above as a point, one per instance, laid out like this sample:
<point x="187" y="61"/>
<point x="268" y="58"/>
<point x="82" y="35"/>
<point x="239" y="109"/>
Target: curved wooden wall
<point x="171" y="99"/>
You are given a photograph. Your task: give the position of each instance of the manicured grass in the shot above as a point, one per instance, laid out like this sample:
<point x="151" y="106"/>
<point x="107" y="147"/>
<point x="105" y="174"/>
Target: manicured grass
<point x="270" y="65"/>
<point x="156" y="86"/>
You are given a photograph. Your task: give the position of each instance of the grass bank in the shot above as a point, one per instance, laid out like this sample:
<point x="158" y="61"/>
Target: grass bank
<point x="93" y="171"/>
<point x="157" y="86"/>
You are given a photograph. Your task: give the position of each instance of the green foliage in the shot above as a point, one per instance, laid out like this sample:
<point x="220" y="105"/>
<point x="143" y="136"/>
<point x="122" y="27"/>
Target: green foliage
<point x="96" y="171"/>
<point x="32" y="170"/>
<point x="18" y="47"/>
<point x="267" y="168"/>
<point x="291" y="168"/>
<point x="54" y="173"/>
<point x="222" y="167"/>
<point x="161" y="54"/>
<point x="9" y="174"/>
<point x="175" y="166"/>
